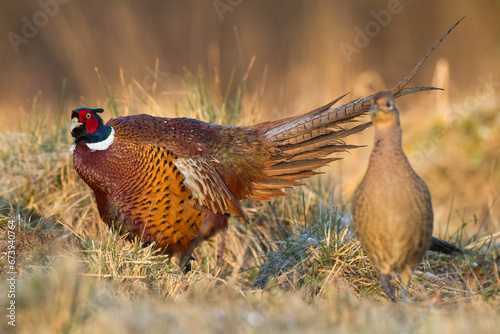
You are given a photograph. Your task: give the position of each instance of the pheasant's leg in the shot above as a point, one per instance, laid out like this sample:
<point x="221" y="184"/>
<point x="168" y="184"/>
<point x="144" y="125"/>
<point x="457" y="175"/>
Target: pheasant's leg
<point x="405" y="281"/>
<point x="385" y="280"/>
<point x="222" y="245"/>
<point x="404" y="294"/>
<point x="185" y="262"/>
<point x="188" y="257"/>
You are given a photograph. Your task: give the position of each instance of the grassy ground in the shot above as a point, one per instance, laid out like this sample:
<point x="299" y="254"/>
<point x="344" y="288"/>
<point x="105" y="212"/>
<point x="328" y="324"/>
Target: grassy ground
<point x="296" y="268"/>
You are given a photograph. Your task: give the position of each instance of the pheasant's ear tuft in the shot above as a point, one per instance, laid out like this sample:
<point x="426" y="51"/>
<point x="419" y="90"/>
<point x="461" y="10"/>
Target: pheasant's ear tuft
<point x="98" y="110"/>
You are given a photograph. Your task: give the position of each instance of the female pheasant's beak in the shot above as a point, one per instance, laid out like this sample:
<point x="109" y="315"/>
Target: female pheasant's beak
<point x="373" y="110"/>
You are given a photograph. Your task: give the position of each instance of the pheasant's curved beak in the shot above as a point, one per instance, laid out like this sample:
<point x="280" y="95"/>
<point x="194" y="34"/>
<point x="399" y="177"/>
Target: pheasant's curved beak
<point x="74" y="124"/>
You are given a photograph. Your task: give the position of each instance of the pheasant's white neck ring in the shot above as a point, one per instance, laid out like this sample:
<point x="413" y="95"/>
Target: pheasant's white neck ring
<point x="103" y="144"/>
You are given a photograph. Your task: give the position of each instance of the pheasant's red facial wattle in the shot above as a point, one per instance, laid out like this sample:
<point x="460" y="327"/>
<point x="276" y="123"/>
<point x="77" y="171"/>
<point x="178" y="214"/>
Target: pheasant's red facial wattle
<point x="88" y="118"/>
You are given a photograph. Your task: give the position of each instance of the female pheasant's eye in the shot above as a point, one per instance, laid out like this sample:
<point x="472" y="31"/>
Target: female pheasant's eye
<point x="388" y="105"/>
<point x="88" y="115"/>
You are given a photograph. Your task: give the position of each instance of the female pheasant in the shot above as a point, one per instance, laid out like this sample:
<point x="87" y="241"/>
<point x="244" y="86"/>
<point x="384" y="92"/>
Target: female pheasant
<point x="175" y="181"/>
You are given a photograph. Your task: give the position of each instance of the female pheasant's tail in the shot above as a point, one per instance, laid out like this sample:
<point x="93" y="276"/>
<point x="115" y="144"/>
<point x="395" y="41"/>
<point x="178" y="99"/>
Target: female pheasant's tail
<point x="304" y="143"/>
<point x="441" y="246"/>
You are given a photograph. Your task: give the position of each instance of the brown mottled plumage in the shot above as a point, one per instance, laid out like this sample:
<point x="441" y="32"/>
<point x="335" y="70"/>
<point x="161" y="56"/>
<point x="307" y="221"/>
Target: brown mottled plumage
<point x="176" y="181"/>
<point x="392" y="208"/>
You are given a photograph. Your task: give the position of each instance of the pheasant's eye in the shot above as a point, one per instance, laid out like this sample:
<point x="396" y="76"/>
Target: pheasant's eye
<point x="388" y="104"/>
<point x="89" y="115"/>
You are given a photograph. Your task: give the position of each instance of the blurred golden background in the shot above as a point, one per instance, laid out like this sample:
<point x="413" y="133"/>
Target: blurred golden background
<point x="301" y="54"/>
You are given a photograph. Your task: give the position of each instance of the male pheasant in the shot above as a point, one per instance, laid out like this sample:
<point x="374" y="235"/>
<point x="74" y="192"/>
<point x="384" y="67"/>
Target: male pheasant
<point x="175" y="181"/>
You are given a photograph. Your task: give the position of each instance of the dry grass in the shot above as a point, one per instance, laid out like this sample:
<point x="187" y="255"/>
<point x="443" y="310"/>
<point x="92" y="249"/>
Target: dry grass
<point x="296" y="268"/>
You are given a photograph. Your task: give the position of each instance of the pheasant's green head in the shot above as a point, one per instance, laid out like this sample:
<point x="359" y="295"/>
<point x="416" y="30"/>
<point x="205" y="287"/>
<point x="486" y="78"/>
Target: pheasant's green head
<point x="85" y="122"/>
<point x="86" y="125"/>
